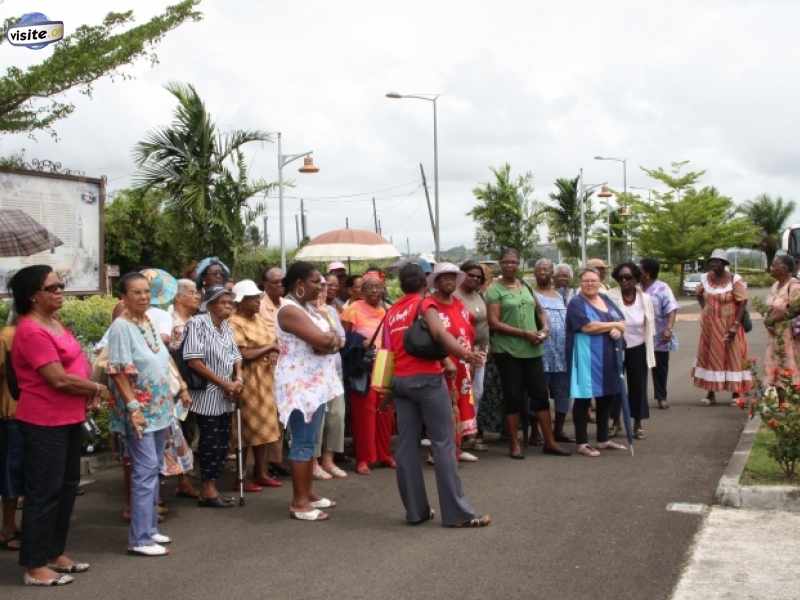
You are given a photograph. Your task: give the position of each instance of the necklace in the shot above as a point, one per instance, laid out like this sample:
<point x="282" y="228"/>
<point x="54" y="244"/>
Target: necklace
<point x="152" y="341"/>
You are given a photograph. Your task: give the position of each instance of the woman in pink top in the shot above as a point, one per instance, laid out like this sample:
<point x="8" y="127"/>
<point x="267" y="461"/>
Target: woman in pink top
<point x="55" y="390"/>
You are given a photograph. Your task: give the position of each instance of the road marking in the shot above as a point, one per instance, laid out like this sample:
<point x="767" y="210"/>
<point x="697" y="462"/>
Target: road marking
<point x="688" y="508"/>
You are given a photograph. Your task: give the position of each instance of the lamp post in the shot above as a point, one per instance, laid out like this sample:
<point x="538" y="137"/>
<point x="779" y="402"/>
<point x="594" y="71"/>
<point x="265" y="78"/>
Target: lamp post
<point x="308" y="167"/>
<point x="432" y="99"/>
<point x="583" y="191"/>
<point x="624" y="162"/>
<point x="604" y="193"/>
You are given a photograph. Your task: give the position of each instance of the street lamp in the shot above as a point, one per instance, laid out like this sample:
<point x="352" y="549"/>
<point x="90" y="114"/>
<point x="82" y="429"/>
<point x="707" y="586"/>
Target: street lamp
<point x="432" y="99"/>
<point x="583" y="191"/>
<point x="308" y="167"/>
<point x="604" y="193"/>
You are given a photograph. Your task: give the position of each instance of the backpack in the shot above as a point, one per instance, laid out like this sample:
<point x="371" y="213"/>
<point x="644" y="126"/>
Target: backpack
<point x="194" y="381"/>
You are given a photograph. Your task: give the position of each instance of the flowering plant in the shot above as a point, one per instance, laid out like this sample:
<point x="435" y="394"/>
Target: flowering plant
<point x="778" y="404"/>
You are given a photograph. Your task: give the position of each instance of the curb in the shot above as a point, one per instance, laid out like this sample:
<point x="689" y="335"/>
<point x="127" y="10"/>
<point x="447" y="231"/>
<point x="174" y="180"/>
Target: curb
<point x="732" y="494"/>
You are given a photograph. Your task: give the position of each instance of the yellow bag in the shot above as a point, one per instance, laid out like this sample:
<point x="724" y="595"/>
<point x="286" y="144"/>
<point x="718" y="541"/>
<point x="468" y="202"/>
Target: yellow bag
<point x="383" y="369"/>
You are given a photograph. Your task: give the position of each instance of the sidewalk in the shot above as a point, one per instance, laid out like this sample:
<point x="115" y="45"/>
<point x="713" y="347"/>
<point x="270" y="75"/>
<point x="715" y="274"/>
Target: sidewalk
<point x="742" y="555"/>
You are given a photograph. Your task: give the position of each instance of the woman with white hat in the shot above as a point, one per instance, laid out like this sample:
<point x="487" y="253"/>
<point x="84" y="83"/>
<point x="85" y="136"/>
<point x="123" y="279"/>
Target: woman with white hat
<point x="722" y="363"/>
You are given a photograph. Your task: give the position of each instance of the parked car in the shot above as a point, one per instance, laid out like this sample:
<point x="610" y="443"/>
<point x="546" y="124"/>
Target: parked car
<point x="690" y="284"/>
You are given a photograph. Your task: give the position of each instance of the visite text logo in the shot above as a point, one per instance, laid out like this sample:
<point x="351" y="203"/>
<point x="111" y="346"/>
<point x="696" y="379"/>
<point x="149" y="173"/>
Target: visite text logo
<point x="35" y="30"/>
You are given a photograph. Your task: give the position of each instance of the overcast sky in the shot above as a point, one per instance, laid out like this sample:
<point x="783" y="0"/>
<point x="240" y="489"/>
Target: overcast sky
<point x="543" y="85"/>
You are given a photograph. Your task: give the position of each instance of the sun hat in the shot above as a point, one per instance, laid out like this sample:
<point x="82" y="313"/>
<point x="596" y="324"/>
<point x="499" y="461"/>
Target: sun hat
<point x="442" y="268"/>
<point x="425" y="265"/>
<point x="335" y="266"/>
<point x="245" y="288"/>
<point x="596" y="263"/>
<point x="211" y="294"/>
<point x="163" y="286"/>
<point x="207" y="262"/>
<point x="720" y="254"/>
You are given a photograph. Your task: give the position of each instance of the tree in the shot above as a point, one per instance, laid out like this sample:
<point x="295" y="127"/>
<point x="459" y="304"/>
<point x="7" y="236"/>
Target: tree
<point x="138" y="233"/>
<point x="28" y="97"/>
<point x="505" y="215"/>
<point x="770" y="216"/>
<point x="564" y="216"/>
<point x="203" y="174"/>
<point x="686" y="224"/>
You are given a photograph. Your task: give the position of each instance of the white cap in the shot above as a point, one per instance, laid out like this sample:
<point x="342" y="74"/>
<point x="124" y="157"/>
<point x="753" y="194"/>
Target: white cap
<point x="446" y="267"/>
<point x="335" y="266"/>
<point x="245" y="288"/>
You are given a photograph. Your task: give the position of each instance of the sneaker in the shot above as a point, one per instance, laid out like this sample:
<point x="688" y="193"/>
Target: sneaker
<point x="149" y="550"/>
<point x="321" y="474"/>
<point x="160" y="538"/>
<point x="425" y="443"/>
<point x="467" y="457"/>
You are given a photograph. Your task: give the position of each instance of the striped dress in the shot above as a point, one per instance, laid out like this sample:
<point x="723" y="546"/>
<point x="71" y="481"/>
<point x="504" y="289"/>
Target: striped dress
<point x="219" y="352"/>
<point x="721" y="366"/>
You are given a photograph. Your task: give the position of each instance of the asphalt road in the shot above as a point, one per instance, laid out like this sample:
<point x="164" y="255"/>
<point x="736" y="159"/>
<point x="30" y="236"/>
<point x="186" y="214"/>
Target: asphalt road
<point x="563" y="528"/>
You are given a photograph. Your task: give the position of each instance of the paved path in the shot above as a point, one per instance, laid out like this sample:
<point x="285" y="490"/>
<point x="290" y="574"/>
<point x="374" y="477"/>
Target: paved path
<point x="565" y="528"/>
<point x="744" y="555"/>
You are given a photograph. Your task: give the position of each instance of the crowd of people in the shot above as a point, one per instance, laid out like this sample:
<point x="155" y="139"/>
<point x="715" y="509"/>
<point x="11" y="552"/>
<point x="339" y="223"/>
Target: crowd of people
<point x="293" y="355"/>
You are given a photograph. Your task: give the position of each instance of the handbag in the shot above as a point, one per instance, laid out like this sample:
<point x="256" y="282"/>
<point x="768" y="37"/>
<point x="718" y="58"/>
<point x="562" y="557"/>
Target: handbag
<point x="360" y="363"/>
<point x="747" y="322"/>
<point x="418" y="341"/>
<point x="194" y="381"/>
<point x="383" y="369"/>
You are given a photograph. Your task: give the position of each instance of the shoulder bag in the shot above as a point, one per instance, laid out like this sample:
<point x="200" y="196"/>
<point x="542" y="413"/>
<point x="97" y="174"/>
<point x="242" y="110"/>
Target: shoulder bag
<point x="418" y="341"/>
<point x="194" y="381"/>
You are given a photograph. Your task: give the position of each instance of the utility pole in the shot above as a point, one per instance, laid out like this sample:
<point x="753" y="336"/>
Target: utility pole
<point x="297" y="228"/>
<point x="408" y="247"/>
<point x="430" y="212"/>
<point x="303" y="229"/>
<point x="347" y="222"/>
<point x="375" y="214"/>
<point x="266" y="234"/>
<point x="380" y="227"/>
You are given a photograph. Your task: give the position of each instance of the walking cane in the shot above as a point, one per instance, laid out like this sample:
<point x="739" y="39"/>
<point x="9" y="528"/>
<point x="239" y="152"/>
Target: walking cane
<point x="239" y="451"/>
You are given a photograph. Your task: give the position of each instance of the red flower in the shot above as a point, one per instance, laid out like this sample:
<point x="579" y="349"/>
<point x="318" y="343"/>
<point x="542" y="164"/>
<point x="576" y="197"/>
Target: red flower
<point x="143" y="396"/>
<point x="772" y="424"/>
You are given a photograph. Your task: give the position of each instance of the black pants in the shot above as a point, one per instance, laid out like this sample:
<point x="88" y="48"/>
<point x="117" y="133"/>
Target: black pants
<point x="52" y="473"/>
<point x="660" y="374"/>
<point x="524" y="384"/>
<point x="212" y="448"/>
<point x="580" y="415"/>
<point x="636" y="372"/>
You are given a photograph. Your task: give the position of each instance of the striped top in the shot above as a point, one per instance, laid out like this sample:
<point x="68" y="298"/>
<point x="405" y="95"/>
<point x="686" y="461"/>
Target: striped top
<point x="218" y="350"/>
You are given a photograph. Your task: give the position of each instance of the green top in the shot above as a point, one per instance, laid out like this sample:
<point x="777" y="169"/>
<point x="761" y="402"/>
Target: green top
<point x="518" y="309"/>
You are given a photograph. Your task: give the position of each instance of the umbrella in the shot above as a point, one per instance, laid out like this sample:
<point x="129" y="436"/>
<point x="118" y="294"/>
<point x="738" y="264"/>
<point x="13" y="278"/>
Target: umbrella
<point x="619" y="353"/>
<point x="163" y="286"/>
<point x="343" y="244"/>
<point x="22" y="235"/>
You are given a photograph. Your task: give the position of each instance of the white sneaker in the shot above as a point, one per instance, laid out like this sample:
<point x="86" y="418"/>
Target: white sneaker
<point x="150" y="550"/>
<point x="160" y="538"/>
<point x="321" y="474"/>
<point x="425" y="443"/>
<point x="467" y="457"/>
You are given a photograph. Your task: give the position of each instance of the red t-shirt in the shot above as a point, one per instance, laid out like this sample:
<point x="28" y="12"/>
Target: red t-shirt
<point x="40" y="404"/>
<point x="400" y="317"/>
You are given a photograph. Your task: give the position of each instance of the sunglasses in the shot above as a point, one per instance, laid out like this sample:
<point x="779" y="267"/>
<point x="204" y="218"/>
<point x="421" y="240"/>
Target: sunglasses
<point x="475" y="276"/>
<point x="626" y="277"/>
<point x="52" y="289"/>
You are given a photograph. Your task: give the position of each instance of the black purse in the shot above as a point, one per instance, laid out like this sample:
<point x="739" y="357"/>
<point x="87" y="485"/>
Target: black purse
<point x="358" y="364"/>
<point x="418" y="341"/>
<point x="194" y="381"/>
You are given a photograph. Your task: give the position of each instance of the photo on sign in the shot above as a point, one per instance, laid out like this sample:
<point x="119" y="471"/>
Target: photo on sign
<point x="52" y="219"/>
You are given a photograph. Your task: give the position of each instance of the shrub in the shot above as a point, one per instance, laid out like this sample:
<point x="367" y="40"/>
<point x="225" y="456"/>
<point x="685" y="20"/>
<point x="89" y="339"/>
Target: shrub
<point x="88" y="317"/>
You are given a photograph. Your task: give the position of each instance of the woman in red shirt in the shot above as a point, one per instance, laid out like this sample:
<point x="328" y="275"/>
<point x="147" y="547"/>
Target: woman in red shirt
<point x="55" y="389"/>
<point x="421" y="398"/>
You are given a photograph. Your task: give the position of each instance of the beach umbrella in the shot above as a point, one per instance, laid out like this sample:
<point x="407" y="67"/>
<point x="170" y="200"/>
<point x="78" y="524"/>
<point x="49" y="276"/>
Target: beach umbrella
<point x="347" y="244"/>
<point x="22" y="235"/>
<point x="619" y="353"/>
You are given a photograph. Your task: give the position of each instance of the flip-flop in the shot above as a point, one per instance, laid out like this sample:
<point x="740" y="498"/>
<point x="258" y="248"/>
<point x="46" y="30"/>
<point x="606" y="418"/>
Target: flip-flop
<point x="309" y="515"/>
<point x="482" y="521"/>
<point x="323" y="503"/>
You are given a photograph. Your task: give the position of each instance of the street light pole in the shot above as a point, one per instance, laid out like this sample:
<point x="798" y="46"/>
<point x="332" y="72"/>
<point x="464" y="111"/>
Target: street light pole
<point x="308" y="167"/>
<point x="432" y="98"/>
<point x="624" y="162"/>
<point x="584" y="191"/>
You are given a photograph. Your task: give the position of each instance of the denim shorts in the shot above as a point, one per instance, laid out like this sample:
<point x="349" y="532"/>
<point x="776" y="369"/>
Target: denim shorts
<point x="304" y="435"/>
<point x="11" y="454"/>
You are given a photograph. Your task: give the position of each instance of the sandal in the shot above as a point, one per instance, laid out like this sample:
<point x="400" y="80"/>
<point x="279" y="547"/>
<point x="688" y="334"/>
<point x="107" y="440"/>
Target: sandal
<point x="587" y="450"/>
<point x="321" y="474"/>
<point x="336" y="472"/>
<point x="609" y="445"/>
<point x="482" y="521"/>
<point x="308" y="515"/>
<point x="11" y="543"/>
<point x="75" y="567"/>
<point x="323" y="503"/>
<point x="63" y="580"/>
<point x="215" y="502"/>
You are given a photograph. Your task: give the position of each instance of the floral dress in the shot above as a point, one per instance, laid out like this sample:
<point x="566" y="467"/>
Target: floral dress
<point x="145" y="360"/>
<point x="304" y="380"/>
<point x="778" y="300"/>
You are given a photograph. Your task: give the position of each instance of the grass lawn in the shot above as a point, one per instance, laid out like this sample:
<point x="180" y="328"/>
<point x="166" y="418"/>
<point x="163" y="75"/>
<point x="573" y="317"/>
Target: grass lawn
<point x="761" y="469"/>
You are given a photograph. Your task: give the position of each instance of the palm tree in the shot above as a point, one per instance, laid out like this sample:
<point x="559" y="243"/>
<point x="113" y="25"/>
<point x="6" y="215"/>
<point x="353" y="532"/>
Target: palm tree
<point x="203" y="173"/>
<point x="564" y="216"/>
<point x="770" y="216"/>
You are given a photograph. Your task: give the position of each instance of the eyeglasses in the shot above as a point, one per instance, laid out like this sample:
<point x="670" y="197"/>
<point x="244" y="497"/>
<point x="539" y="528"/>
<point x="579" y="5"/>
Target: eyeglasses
<point x="590" y="282"/>
<point x="55" y="288"/>
<point x="626" y="277"/>
<point x="475" y="276"/>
